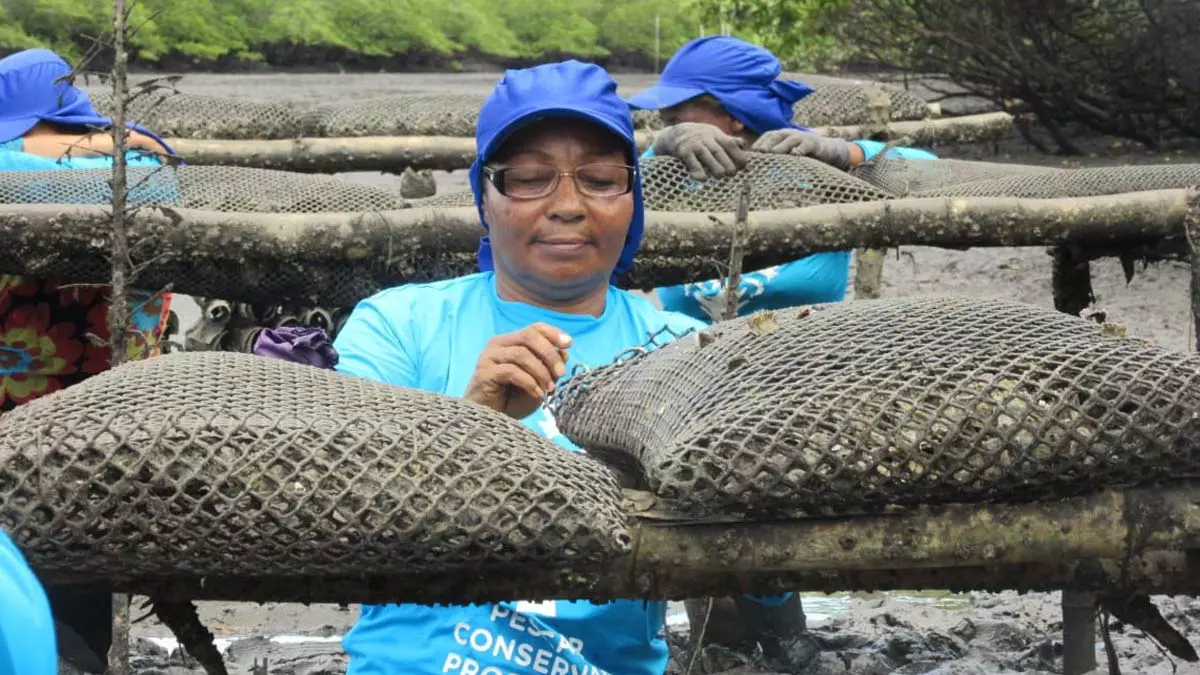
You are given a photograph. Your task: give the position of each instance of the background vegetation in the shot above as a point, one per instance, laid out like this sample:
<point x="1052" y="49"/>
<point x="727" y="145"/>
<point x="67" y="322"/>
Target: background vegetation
<point x="1126" y="68"/>
<point x="391" y="34"/>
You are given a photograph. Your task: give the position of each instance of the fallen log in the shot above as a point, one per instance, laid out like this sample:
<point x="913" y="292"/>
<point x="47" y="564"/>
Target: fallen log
<point x="449" y="153"/>
<point x="335" y="259"/>
<point x="1079" y="543"/>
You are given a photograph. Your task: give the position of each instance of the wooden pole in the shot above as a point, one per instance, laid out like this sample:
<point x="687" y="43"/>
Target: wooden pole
<point x="119" y="307"/>
<point x="448" y="153"/>
<point x="869" y="262"/>
<point x="331" y="259"/>
<point x="1080" y="543"/>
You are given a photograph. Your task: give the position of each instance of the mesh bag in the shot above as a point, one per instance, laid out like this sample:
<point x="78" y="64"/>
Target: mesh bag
<point x="420" y="114"/>
<point x="407" y="115"/>
<point x="183" y="115"/>
<point x="776" y="182"/>
<point x="235" y="465"/>
<point x="856" y="406"/>
<point x="839" y="105"/>
<point x="1076" y="182"/>
<point x="446" y="200"/>
<point x="902" y="177"/>
<point x="211" y="188"/>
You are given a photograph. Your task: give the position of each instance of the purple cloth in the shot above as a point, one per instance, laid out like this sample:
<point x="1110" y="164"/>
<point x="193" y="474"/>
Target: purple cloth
<point x="298" y="344"/>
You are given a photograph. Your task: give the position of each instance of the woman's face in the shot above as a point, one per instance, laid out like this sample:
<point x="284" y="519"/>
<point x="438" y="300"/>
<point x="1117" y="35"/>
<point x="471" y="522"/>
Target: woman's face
<point x="702" y="110"/>
<point x="565" y="244"/>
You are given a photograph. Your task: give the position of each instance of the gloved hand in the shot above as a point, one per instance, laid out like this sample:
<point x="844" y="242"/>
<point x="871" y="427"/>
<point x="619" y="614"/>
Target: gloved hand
<point x="705" y="150"/>
<point x="832" y="151"/>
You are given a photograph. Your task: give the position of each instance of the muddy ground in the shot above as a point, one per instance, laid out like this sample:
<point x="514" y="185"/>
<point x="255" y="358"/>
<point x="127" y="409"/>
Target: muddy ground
<point x="861" y="634"/>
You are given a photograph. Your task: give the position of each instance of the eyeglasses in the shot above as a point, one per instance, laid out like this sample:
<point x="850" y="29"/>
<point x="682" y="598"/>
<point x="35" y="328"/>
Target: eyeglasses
<point x="533" y="181"/>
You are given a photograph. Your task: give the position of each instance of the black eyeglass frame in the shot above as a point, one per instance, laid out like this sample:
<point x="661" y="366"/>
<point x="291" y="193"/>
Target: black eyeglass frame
<point x="495" y="176"/>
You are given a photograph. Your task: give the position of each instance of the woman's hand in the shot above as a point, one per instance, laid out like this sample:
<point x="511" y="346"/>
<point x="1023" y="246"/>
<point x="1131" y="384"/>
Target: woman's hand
<point x="516" y="370"/>
<point x="705" y="150"/>
<point x="832" y="151"/>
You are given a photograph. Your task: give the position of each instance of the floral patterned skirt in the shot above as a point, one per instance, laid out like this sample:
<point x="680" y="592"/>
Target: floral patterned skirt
<point x="53" y="336"/>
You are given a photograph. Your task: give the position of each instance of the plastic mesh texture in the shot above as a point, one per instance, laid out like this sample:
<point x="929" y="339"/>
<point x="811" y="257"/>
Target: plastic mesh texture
<point x="210" y="188"/>
<point x="836" y="105"/>
<point x="777" y="182"/>
<point x="240" y="466"/>
<point x="408" y="115"/>
<point x="857" y="406"/>
<point x="901" y="177"/>
<point x="420" y="114"/>
<point x="1076" y="182"/>
<point x="183" y="115"/>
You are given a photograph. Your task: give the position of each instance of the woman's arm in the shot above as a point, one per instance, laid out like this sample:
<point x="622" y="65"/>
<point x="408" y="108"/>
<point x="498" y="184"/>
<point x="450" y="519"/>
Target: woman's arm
<point x="47" y="141"/>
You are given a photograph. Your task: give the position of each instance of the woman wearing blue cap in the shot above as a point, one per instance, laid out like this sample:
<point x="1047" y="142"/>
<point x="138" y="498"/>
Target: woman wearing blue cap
<point x="48" y="124"/>
<point x="719" y="95"/>
<point x="557" y="188"/>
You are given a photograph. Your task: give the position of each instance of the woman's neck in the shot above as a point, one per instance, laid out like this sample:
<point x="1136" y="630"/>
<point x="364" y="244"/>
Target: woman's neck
<point x="590" y="302"/>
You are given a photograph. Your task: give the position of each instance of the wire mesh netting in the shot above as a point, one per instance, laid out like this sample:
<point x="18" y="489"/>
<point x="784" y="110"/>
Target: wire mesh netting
<point x="181" y="114"/>
<point x="409" y="115"/>
<point x="857" y="406"/>
<point x="210" y="188"/>
<point x="236" y="465"/>
<point x="777" y="182"/>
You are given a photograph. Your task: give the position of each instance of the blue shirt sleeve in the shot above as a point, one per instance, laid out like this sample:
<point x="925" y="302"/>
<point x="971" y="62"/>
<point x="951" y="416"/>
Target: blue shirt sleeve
<point x="872" y="148"/>
<point x="27" y="642"/>
<point x="18" y="160"/>
<point x="372" y="346"/>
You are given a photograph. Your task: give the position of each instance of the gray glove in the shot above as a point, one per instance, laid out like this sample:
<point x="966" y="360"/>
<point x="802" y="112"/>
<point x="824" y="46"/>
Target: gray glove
<point x="832" y="151"/>
<point x="705" y="150"/>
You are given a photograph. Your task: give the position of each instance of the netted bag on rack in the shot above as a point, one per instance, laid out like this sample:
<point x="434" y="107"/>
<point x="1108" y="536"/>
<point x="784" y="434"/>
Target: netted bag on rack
<point x="234" y="465"/>
<point x="856" y="406"/>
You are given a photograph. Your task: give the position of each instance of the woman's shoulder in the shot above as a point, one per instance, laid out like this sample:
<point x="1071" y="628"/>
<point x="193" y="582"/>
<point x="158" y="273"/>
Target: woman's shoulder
<point x="652" y="318"/>
<point x="430" y="290"/>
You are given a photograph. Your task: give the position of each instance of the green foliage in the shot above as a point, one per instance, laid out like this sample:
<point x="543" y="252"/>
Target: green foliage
<point x="804" y="34"/>
<point x="250" y="29"/>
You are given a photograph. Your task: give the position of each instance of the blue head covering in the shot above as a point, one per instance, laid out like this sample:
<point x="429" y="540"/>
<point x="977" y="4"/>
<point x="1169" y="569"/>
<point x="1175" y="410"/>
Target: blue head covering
<point x="568" y="89"/>
<point x="32" y="90"/>
<point x="738" y="74"/>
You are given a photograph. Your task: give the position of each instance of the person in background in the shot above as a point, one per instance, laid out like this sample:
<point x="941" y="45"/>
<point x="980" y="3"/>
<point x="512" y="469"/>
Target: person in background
<point x="26" y="627"/>
<point x="719" y="96"/>
<point x="48" y="124"/>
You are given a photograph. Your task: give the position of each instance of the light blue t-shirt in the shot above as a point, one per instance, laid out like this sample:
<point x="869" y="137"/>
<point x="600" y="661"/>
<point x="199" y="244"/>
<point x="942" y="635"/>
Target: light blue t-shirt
<point x="157" y="188"/>
<point x="813" y="279"/>
<point x="14" y="158"/>
<point x="429" y="336"/>
<point x="27" y="641"/>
